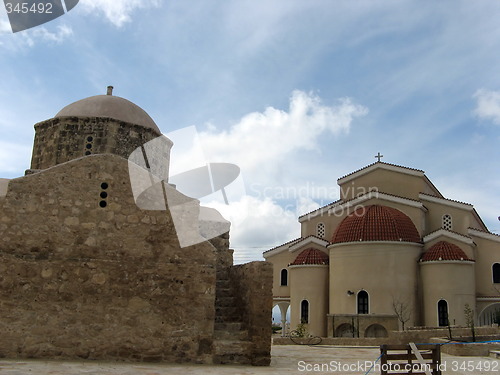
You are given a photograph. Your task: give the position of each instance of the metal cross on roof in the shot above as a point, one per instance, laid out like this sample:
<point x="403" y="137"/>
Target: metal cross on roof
<point x="378" y="156"/>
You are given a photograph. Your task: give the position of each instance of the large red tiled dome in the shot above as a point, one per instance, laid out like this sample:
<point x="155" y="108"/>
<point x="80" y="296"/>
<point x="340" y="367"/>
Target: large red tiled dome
<point x="310" y="257"/>
<point x="444" y="251"/>
<point x="376" y="223"/>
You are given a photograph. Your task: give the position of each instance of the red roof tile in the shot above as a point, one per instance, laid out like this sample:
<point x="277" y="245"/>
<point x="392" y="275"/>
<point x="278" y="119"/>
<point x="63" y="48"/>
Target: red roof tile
<point x="444" y="251"/>
<point x="310" y="257"/>
<point x="376" y="223"/>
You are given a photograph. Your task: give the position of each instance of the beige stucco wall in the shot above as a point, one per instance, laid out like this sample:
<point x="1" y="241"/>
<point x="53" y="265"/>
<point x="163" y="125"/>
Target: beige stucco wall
<point x="280" y="261"/>
<point x="452" y="281"/>
<point x="488" y="253"/>
<point x="310" y="283"/>
<point x="387" y="271"/>
<point x="404" y="185"/>
<point x="331" y="221"/>
<point x="461" y="218"/>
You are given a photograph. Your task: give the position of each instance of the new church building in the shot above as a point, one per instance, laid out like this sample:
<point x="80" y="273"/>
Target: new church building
<point x="391" y="253"/>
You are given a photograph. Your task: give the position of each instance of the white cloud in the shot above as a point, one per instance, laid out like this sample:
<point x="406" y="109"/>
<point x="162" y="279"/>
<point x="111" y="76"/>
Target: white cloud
<point x="29" y="38"/>
<point x="5" y="27"/>
<point x="261" y="143"/>
<point x="63" y="32"/>
<point x="117" y="11"/>
<point x="13" y="158"/>
<point x="261" y="138"/>
<point x="265" y="225"/>
<point x="488" y="105"/>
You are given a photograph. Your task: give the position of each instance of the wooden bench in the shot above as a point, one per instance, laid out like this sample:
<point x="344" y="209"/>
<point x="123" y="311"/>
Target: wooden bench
<point x="410" y="359"/>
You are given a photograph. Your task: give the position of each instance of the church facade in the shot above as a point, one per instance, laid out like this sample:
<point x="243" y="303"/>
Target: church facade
<point x="391" y="253"/>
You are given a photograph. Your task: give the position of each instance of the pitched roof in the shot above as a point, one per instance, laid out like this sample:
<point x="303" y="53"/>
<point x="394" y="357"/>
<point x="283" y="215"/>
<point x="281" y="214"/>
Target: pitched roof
<point x="444" y="250"/>
<point x="311" y="257"/>
<point x="283" y="244"/>
<point x="381" y="163"/>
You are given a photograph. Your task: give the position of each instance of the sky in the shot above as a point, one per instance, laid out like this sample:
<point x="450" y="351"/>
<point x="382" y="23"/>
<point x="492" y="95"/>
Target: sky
<point x="296" y="93"/>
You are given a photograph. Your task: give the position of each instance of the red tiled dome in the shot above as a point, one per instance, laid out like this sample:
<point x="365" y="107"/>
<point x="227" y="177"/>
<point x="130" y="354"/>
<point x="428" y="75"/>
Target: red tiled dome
<point x="376" y="223"/>
<point x="309" y="257"/>
<point x="444" y="251"/>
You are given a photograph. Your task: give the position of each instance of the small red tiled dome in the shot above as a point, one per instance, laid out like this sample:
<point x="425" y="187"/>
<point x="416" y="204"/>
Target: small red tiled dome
<point x="310" y="257"/>
<point x="444" y="251"/>
<point x="376" y="223"/>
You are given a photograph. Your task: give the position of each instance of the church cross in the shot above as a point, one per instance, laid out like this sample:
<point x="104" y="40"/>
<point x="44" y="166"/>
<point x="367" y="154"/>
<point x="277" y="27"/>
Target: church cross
<point x="378" y="156"/>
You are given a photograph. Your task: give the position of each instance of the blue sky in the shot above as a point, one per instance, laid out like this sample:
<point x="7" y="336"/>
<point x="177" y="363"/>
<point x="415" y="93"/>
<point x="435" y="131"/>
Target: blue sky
<point x="298" y="93"/>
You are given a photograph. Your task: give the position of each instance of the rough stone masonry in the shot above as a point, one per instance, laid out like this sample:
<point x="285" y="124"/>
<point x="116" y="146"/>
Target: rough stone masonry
<point x="85" y="273"/>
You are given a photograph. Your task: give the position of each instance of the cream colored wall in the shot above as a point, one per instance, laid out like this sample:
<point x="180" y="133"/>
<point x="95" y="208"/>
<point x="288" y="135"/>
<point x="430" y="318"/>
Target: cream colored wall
<point x="488" y="253"/>
<point x="386" y="270"/>
<point x="452" y="281"/>
<point x="279" y="262"/>
<point x="461" y="219"/>
<point x="331" y="222"/>
<point x="310" y="283"/>
<point x="391" y="182"/>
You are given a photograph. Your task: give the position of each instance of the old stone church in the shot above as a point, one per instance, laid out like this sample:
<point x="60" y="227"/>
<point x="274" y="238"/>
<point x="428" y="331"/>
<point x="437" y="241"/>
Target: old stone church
<point x="391" y="250"/>
<point x="86" y="273"/>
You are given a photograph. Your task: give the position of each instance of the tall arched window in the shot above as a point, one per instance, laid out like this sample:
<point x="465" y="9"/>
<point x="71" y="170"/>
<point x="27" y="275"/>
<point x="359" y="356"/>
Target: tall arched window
<point x="447" y="222"/>
<point x="496" y="273"/>
<point x="363" y="302"/>
<point x="442" y="313"/>
<point x="284" y="277"/>
<point x="320" y="230"/>
<point x="304" y="311"/>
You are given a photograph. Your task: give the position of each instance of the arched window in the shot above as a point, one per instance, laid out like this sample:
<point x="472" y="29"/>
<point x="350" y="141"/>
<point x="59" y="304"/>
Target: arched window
<point x="442" y="313"/>
<point x="496" y="273"/>
<point x="304" y="311"/>
<point x="363" y="302"/>
<point x="284" y="277"/>
<point x="447" y="222"/>
<point x="320" y="230"/>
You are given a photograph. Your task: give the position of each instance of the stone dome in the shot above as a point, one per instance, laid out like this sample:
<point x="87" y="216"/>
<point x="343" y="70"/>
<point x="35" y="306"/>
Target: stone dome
<point x="109" y="106"/>
<point x="444" y="250"/>
<point x="310" y="257"/>
<point x="376" y="223"/>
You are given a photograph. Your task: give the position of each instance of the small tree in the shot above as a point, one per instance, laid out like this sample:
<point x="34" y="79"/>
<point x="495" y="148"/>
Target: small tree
<point x="301" y="330"/>
<point x="469" y="320"/>
<point x="402" y="310"/>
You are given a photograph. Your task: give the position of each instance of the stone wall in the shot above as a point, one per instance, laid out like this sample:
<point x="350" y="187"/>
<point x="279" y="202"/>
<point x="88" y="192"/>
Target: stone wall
<point x="359" y="324"/>
<point x="83" y="280"/>
<point x="252" y="285"/>
<point x="62" y="139"/>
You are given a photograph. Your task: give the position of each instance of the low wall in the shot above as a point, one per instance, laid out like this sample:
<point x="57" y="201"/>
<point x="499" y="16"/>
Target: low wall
<point x="476" y="349"/>
<point x="422" y="336"/>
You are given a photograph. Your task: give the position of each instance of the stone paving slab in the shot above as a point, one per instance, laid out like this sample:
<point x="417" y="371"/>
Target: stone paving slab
<point x="286" y="359"/>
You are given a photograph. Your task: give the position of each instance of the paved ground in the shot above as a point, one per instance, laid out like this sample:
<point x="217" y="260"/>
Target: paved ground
<point x="287" y="359"/>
